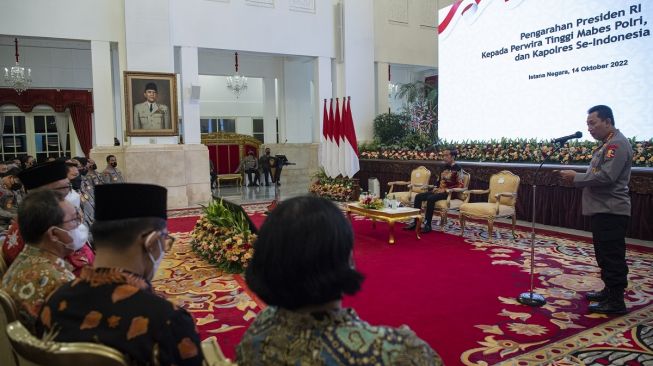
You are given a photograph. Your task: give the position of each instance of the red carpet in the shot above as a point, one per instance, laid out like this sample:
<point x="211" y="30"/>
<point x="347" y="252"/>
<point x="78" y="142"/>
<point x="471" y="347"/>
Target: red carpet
<point x="459" y="295"/>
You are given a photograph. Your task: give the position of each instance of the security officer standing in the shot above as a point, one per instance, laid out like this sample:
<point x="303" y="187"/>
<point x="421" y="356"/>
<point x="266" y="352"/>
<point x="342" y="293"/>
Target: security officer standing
<point x="151" y="115"/>
<point x="607" y="202"/>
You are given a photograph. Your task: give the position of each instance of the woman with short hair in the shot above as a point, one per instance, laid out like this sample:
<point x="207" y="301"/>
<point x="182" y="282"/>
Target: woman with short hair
<point x="302" y="266"/>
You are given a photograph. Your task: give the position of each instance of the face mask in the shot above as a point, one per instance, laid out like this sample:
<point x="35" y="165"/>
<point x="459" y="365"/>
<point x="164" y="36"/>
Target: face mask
<point x="83" y="171"/>
<point x="94" y="166"/>
<point x="79" y="235"/>
<point x="114" y="164"/>
<point x="156" y="263"/>
<point x="16" y="186"/>
<point x="76" y="182"/>
<point x="74" y="198"/>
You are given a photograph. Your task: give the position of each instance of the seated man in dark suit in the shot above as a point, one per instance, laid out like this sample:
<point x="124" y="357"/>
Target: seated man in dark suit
<point x="451" y="177"/>
<point x="113" y="303"/>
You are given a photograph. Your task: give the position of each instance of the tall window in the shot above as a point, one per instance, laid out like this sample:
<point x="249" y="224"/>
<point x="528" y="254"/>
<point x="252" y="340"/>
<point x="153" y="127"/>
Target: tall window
<point x="208" y="125"/>
<point x="257" y="129"/>
<point x="34" y="133"/>
<point x="46" y="138"/>
<point x="14" y="138"/>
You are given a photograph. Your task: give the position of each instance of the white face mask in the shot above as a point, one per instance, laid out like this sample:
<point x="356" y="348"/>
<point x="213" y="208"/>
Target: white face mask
<point x="79" y="235"/>
<point x="156" y="263"/>
<point x="74" y="198"/>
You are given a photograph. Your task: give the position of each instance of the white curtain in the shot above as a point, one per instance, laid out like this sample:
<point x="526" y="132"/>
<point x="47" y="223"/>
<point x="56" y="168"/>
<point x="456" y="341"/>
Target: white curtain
<point x="62" y="130"/>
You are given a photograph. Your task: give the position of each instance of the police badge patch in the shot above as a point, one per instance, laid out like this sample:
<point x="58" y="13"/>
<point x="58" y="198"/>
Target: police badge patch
<point x="609" y="153"/>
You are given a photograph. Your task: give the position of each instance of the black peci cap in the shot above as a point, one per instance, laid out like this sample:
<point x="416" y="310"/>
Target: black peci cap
<point x="129" y="201"/>
<point x="43" y="174"/>
<point x="151" y="86"/>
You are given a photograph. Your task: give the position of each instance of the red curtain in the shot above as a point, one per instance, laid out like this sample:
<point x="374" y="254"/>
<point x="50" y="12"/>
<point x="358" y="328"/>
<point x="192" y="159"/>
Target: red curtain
<point x="80" y="103"/>
<point x="83" y="126"/>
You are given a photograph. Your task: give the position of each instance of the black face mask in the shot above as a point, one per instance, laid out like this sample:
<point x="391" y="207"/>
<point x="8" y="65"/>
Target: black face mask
<point x="114" y="164"/>
<point x="94" y="166"/>
<point x="16" y="187"/>
<point x="76" y="182"/>
<point x="83" y="171"/>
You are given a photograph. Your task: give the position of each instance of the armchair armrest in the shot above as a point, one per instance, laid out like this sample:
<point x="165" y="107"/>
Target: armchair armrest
<point x="398" y="183"/>
<point x="421" y="187"/>
<point x="213" y="355"/>
<point x="469" y="192"/>
<point x="512" y="195"/>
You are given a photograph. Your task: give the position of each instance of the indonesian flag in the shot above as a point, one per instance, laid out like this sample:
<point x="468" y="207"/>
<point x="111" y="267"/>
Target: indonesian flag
<point x="331" y="170"/>
<point x="324" y="146"/>
<point x="350" y="146"/>
<point x="339" y="137"/>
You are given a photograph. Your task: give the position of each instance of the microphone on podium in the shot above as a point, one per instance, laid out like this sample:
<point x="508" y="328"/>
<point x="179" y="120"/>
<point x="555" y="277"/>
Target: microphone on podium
<point x="563" y="139"/>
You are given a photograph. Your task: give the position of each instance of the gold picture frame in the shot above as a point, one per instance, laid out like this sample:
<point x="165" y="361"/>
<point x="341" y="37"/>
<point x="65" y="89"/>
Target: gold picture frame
<point x="151" y="104"/>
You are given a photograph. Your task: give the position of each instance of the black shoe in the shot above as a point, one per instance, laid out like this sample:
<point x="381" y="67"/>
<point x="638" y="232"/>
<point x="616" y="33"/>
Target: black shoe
<point x="426" y="228"/>
<point x="410" y="226"/>
<point x="609" y="306"/>
<point x="597" y="295"/>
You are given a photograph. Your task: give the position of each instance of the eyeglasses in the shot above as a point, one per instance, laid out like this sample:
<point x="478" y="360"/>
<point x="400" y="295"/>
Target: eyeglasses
<point x="166" y="239"/>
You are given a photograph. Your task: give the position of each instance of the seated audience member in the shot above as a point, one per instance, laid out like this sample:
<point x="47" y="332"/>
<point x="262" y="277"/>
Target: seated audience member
<point x="451" y="177"/>
<point x="301" y="268"/>
<point x="49" y="225"/>
<point x="10" y="188"/>
<point x="48" y="176"/>
<point x="111" y="174"/>
<point x="86" y="192"/>
<point x="93" y="176"/>
<point x="113" y="303"/>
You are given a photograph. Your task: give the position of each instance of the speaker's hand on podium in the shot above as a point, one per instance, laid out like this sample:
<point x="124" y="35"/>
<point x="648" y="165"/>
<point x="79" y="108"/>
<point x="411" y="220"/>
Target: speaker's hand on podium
<point x="567" y="175"/>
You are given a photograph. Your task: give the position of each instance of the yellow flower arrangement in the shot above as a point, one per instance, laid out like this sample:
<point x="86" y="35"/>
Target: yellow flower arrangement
<point x="508" y="150"/>
<point x="223" y="238"/>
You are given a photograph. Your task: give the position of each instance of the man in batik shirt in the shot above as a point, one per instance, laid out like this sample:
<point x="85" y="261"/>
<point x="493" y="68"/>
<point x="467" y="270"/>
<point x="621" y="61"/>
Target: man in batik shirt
<point x="47" y="176"/>
<point x="46" y="222"/>
<point x="113" y="303"/>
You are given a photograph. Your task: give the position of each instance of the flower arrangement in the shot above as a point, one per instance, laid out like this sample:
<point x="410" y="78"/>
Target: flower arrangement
<point x="336" y="189"/>
<point x="508" y="150"/>
<point x="223" y="237"/>
<point x="371" y="202"/>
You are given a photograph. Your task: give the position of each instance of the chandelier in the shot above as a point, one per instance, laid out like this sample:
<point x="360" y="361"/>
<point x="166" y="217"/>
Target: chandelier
<point x="237" y="83"/>
<point x="16" y="77"/>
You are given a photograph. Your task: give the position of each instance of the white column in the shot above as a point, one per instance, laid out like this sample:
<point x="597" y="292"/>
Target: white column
<point x="269" y="111"/>
<point x="299" y="114"/>
<point x="382" y="102"/>
<point x="359" y="63"/>
<point x="190" y="107"/>
<point x="322" y="77"/>
<point x="103" y="111"/>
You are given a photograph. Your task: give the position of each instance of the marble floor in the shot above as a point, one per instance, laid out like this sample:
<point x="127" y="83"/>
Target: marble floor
<point x="244" y="195"/>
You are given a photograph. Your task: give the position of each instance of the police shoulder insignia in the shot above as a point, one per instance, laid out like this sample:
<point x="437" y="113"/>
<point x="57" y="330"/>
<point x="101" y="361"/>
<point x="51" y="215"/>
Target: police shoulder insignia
<point x="610" y="150"/>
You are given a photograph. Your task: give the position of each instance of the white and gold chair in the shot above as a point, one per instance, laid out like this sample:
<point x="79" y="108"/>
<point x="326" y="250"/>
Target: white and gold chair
<point x="8" y="314"/>
<point x="419" y="180"/>
<point x="455" y="198"/>
<point x="502" y="197"/>
<point x="40" y="352"/>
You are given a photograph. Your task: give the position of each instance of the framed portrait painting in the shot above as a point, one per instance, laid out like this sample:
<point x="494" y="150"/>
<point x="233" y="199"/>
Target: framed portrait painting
<point x="151" y="104"/>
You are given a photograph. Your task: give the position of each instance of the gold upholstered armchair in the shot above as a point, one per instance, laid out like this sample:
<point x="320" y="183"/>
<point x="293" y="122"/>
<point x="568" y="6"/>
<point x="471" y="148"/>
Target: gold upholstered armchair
<point x="502" y="197"/>
<point x="455" y="198"/>
<point x="40" y="352"/>
<point x="8" y="314"/>
<point x="419" y="180"/>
